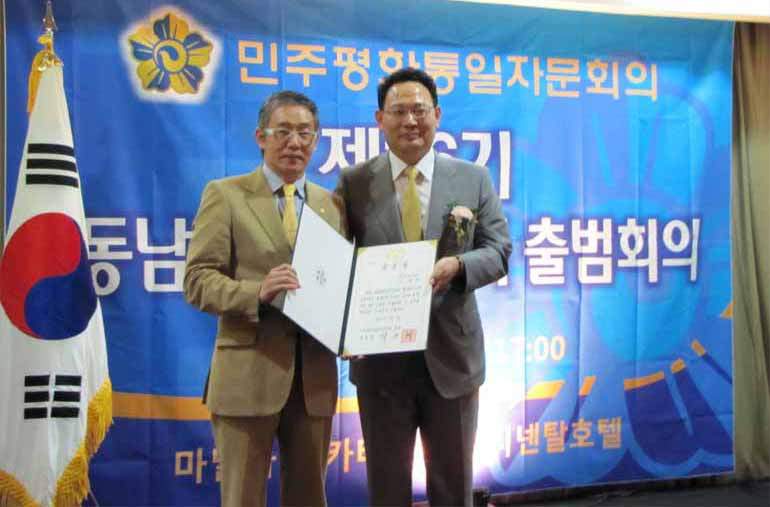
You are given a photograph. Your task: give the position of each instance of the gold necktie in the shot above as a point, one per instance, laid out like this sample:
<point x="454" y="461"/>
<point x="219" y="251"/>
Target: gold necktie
<point x="410" y="207"/>
<point x="290" y="214"/>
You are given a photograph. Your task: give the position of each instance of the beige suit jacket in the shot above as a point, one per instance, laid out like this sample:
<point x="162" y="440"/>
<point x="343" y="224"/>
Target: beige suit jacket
<point x="237" y="239"/>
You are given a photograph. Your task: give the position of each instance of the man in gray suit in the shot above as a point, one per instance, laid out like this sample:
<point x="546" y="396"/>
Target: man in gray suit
<point x="437" y="390"/>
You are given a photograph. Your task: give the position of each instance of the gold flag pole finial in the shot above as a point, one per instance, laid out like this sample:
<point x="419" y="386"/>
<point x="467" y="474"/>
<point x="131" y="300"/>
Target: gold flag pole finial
<point x="46" y="57"/>
<point x="49" y="23"/>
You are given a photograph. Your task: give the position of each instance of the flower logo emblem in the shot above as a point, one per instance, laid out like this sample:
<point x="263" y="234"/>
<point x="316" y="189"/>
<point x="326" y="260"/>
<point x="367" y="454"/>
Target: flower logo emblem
<point x="320" y="276"/>
<point x="170" y="55"/>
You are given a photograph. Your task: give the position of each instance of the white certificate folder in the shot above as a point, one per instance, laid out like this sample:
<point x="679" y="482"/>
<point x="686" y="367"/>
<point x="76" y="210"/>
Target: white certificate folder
<point x="370" y="300"/>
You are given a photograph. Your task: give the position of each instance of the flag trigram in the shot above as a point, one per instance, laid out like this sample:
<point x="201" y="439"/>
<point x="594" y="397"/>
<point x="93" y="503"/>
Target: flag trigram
<point x="51" y="164"/>
<point x="63" y="402"/>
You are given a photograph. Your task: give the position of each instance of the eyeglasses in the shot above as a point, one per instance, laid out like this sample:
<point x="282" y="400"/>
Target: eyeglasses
<point x="282" y="135"/>
<point x="418" y="112"/>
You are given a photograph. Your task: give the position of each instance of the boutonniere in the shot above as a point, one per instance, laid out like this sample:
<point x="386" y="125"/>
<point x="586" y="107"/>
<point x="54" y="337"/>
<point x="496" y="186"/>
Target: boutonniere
<point x="460" y="220"/>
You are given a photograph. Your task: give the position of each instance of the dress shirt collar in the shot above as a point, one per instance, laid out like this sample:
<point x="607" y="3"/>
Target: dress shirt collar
<point x="424" y="166"/>
<point x="276" y="182"/>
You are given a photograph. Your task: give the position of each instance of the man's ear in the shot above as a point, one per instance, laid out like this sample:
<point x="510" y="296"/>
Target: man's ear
<point x="260" y="137"/>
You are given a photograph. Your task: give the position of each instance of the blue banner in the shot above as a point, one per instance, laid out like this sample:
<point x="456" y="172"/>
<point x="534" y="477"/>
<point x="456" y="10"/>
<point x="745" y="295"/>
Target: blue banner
<point x="608" y="138"/>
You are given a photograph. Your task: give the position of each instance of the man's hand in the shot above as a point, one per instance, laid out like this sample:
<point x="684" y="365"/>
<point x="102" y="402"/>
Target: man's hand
<point x="443" y="272"/>
<point x="279" y="278"/>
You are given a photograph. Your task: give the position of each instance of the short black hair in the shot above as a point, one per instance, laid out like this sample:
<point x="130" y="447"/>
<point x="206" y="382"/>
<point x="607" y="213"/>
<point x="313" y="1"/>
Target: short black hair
<point x="286" y="98"/>
<point x="402" y="76"/>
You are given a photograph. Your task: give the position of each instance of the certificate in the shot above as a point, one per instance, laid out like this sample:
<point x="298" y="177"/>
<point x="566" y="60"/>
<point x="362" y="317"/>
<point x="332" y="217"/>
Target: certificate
<point x="370" y="300"/>
<point x="390" y="298"/>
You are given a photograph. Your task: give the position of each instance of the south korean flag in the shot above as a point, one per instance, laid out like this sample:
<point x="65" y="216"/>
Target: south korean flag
<point x="55" y="392"/>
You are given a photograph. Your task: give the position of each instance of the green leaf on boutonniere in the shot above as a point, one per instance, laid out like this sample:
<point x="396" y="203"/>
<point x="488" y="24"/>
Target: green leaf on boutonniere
<point x="459" y="221"/>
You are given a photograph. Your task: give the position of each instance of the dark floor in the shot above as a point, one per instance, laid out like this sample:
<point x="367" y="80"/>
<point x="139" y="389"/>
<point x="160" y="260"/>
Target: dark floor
<point x="747" y="494"/>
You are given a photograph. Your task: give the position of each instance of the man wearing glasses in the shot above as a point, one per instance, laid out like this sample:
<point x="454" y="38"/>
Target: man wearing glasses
<point x="408" y="194"/>
<point x="267" y="378"/>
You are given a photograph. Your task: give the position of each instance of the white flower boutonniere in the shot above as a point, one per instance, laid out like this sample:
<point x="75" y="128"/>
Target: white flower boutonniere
<point x="460" y="220"/>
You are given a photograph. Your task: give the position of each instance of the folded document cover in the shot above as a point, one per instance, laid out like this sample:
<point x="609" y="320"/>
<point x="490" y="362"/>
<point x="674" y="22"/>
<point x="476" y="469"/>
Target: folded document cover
<point x="370" y="300"/>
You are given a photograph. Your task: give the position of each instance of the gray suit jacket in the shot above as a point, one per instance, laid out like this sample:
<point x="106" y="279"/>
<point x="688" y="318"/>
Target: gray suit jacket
<point x="455" y="353"/>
